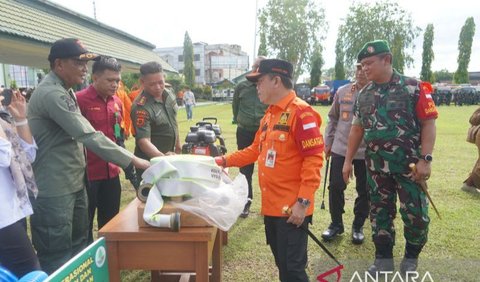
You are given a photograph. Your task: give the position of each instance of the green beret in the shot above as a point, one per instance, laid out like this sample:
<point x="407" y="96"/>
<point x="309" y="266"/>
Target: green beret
<point x="373" y="48"/>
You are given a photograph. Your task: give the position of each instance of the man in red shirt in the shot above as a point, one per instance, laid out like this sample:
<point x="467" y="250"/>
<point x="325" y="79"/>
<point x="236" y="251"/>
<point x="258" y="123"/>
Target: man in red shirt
<point x="103" y="109"/>
<point x="289" y="150"/>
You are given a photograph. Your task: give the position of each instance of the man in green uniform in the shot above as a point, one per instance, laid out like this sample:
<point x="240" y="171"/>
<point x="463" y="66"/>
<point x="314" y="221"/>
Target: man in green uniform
<point x="60" y="219"/>
<point x="154" y="116"/>
<point x="247" y="113"/>
<point x="396" y="117"/>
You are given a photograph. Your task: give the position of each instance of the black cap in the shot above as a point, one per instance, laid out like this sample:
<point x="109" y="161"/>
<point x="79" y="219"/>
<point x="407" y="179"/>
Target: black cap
<point x="70" y="48"/>
<point x="273" y="66"/>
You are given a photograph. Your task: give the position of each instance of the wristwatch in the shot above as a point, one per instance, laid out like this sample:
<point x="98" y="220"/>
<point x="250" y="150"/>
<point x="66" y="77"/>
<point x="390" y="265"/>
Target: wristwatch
<point x="428" y="158"/>
<point x="304" y="202"/>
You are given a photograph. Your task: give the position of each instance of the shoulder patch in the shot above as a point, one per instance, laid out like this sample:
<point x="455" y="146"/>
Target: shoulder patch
<point x="142" y="101"/>
<point x="141" y="115"/>
<point x="308" y="137"/>
<point x="71" y="104"/>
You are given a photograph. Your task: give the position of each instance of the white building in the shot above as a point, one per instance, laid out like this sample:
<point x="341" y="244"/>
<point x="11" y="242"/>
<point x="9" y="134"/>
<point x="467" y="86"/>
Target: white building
<point x="212" y="63"/>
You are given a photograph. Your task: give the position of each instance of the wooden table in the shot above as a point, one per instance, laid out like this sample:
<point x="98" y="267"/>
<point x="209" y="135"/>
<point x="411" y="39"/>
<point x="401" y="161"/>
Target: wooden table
<point x="131" y="247"/>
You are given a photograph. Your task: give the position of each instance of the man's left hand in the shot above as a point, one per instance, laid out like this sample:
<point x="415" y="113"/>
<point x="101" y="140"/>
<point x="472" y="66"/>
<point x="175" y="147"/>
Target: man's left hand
<point x="298" y="214"/>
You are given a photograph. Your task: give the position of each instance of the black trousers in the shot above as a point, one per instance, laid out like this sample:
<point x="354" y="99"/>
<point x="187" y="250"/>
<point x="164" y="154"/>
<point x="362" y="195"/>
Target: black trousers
<point x="289" y="247"/>
<point x="244" y="139"/>
<point x="336" y="195"/>
<point x="104" y="196"/>
<point x="16" y="250"/>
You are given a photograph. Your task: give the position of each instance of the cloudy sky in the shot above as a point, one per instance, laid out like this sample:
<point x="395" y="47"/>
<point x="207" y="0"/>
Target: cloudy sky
<point x="164" y="22"/>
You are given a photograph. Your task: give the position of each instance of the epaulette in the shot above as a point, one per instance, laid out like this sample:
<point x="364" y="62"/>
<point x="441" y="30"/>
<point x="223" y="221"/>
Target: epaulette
<point x="142" y="101"/>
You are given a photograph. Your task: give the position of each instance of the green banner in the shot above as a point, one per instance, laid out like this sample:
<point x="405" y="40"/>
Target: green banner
<point x="91" y="264"/>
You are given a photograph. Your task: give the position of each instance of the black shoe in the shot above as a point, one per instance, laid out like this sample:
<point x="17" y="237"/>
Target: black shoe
<point x="383" y="259"/>
<point x="410" y="259"/>
<point x="357" y="235"/>
<point x="246" y="209"/>
<point x="332" y="232"/>
<point x="408" y="265"/>
<point x="380" y="265"/>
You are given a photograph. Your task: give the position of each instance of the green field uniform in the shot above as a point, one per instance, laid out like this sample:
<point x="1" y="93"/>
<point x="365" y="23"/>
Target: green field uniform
<point x="60" y="219"/>
<point x="156" y="120"/>
<point x="387" y="113"/>
<point x="246" y="106"/>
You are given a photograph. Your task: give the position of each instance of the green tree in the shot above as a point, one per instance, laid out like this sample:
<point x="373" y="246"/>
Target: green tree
<point x="262" y="48"/>
<point x="130" y="79"/>
<point x="293" y="28"/>
<point x="427" y="55"/>
<point x="339" y="59"/>
<point x="443" y="76"/>
<point x="464" y="51"/>
<point x="381" y="20"/>
<point x="329" y="73"/>
<point x="176" y="82"/>
<point x="316" y="67"/>
<point x="188" y="68"/>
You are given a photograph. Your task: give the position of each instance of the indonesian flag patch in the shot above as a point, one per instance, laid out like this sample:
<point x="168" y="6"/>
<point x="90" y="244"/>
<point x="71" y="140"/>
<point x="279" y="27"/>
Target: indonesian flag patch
<point x="308" y="137"/>
<point x="309" y="125"/>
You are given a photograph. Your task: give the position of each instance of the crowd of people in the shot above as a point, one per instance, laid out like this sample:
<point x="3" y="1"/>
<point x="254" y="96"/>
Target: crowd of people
<point x="60" y="164"/>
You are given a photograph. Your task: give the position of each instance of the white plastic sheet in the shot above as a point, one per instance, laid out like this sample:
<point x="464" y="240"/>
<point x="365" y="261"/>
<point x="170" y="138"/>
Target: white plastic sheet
<point x="212" y="195"/>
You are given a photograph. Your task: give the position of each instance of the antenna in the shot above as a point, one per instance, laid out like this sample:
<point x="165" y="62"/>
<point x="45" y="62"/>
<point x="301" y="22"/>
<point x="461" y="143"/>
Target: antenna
<point x="94" y="10"/>
<point x="255" y="33"/>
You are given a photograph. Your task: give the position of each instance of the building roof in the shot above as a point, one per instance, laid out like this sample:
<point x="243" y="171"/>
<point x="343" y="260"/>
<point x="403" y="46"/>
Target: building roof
<point x="29" y="27"/>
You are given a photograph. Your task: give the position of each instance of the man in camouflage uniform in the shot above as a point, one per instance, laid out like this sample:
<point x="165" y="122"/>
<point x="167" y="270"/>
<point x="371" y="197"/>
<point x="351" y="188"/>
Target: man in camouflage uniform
<point x="154" y="116"/>
<point x="396" y="117"/>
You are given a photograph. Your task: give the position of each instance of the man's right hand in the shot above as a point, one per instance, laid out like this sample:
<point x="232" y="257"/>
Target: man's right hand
<point x="328" y="151"/>
<point x="220" y="161"/>
<point x="140" y="163"/>
<point x="347" y="171"/>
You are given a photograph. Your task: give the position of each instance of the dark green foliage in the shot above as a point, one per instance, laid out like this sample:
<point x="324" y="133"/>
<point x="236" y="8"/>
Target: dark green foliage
<point x="293" y="28"/>
<point x="316" y="67"/>
<point x="443" y="76"/>
<point x="130" y="79"/>
<point x="464" y="51"/>
<point x="339" y="59"/>
<point x="427" y="55"/>
<point x="176" y="82"/>
<point x="381" y="20"/>
<point x="262" y="48"/>
<point x="189" y="68"/>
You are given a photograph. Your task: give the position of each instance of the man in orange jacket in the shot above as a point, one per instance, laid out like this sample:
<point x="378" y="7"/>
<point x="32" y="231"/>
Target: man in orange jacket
<point x="135" y="91"/>
<point x="289" y="148"/>
<point x="126" y="124"/>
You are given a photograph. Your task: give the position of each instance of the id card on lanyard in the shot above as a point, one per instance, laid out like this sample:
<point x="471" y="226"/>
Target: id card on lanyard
<point x="271" y="156"/>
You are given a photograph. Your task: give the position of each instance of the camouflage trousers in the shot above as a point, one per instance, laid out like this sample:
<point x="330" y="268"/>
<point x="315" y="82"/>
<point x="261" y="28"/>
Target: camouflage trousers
<point x="413" y="208"/>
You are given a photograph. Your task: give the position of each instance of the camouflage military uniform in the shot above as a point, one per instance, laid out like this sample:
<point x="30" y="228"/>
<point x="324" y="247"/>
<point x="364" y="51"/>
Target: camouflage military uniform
<point x="388" y="114"/>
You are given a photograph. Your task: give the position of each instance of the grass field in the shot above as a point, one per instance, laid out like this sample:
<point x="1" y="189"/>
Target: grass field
<point x="451" y="254"/>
